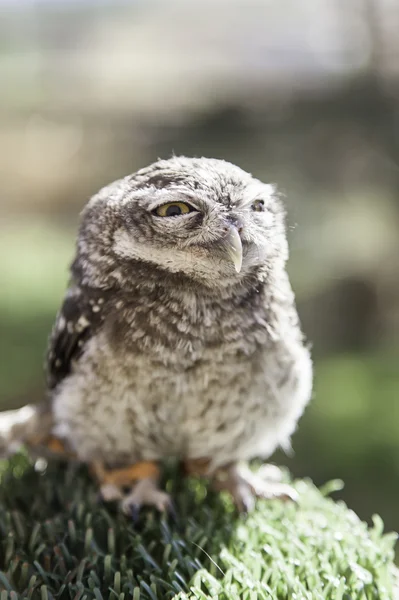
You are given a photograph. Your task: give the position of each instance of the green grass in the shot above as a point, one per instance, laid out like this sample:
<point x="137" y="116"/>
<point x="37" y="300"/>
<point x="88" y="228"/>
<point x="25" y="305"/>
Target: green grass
<point x="59" y="542"/>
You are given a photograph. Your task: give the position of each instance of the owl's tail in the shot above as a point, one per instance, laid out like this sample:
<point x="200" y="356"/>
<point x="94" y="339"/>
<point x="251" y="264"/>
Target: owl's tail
<point x="27" y="425"/>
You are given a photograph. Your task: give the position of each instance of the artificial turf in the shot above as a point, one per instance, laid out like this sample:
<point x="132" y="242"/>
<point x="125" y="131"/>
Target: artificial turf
<point x="59" y="541"/>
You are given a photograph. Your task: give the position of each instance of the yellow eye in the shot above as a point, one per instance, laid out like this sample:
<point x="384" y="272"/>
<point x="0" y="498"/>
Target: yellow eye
<point x="258" y="206"/>
<point x="173" y="209"/>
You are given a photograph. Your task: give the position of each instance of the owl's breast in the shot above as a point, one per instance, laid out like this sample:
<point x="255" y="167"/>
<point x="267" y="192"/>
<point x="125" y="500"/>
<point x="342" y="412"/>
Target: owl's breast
<point x="122" y="403"/>
<point x="125" y="406"/>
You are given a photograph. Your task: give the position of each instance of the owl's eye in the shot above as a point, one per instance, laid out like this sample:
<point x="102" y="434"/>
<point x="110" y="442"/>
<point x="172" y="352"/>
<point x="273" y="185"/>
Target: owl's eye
<point x="258" y="206"/>
<point x="173" y="209"/>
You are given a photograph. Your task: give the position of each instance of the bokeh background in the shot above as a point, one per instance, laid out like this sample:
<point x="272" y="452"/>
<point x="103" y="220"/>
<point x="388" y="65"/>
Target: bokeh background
<point x="303" y="93"/>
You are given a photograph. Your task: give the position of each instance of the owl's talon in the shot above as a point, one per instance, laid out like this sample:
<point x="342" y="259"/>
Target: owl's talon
<point x="244" y="486"/>
<point x="110" y="492"/>
<point x="269" y="472"/>
<point x="271" y="490"/>
<point x="134" y="510"/>
<point x="146" y="493"/>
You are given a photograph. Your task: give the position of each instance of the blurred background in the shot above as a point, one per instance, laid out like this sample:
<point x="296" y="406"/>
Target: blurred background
<point x="301" y="93"/>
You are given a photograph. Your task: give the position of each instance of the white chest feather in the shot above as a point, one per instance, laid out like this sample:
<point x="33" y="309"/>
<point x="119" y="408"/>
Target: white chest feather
<point x="124" y="408"/>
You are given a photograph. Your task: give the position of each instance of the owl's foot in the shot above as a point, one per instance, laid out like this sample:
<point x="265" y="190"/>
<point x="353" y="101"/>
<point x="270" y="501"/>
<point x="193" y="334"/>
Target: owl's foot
<point x="245" y="486"/>
<point x="146" y="493"/>
<point x="141" y="480"/>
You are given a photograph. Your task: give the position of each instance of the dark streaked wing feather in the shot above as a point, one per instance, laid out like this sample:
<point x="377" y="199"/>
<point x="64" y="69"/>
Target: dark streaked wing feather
<point x="80" y="317"/>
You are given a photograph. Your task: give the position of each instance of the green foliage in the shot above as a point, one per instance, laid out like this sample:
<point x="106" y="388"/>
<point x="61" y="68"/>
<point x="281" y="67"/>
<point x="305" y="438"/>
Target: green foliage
<point x="59" y="541"/>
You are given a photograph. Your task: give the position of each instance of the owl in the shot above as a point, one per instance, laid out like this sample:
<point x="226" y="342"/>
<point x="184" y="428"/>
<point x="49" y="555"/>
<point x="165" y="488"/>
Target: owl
<point x="178" y="337"/>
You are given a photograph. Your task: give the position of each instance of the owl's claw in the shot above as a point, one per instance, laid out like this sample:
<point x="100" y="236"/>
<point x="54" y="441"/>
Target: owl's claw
<point x="146" y="493"/>
<point x="244" y="486"/>
<point x="269" y="472"/>
<point x="134" y="510"/>
<point x="109" y="493"/>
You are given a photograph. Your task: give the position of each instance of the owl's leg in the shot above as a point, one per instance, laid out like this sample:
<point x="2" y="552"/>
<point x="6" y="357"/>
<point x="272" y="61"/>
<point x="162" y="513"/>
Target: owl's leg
<point x="199" y="467"/>
<point x="245" y="485"/>
<point x="141" y="478"/>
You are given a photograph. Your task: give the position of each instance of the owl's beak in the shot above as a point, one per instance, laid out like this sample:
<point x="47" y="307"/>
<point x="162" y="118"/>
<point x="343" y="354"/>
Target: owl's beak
<point x="233" y="247"/>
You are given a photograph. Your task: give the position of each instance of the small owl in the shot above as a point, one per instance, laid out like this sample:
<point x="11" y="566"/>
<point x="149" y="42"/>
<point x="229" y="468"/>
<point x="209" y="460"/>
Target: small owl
<point x="178" y="337"/>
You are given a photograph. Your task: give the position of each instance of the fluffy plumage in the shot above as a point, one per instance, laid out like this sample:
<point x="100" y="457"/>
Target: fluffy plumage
<point x="165" y="344"/>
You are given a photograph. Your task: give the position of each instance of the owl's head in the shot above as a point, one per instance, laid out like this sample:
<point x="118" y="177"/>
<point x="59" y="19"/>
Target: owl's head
<point x="202" y="218"/>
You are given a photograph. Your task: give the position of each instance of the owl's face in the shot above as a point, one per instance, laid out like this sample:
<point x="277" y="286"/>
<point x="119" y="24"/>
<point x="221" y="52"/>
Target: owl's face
<point x="204" y="218"/>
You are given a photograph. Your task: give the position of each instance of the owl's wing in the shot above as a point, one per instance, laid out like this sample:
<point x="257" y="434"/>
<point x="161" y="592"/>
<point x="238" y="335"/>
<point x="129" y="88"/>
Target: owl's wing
<point x="79" y="318"/>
